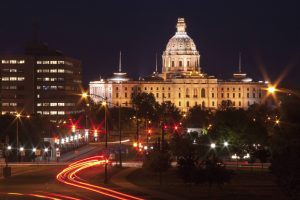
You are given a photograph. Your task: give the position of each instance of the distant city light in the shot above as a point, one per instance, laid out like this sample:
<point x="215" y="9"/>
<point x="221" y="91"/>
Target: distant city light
<point x="46" y="149"/>
<point x="34" y="150"/>
<point x="21" y="148"/>
<point x="9" y="147"/>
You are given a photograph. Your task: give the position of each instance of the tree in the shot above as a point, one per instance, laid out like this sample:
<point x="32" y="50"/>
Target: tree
<point x="197" y="117"/>
<point x="285" y="146"/>
<point x="144" y="104"/>
<point x="262" y="154"/>
<point x="168" y="112"/>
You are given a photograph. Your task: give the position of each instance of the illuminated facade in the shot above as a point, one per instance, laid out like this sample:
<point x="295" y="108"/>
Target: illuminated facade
<point x="40" y="82"/>
<point x="182" y="81"/>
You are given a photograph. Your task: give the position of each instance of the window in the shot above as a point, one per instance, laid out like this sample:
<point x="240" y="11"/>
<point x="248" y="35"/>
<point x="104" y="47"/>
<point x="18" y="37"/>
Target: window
<point x="157" y="95"/>
<point x="233" y="103"/>
<point x="53" y="104"/>
<point x="233" y="95"/>
<point x="203" y="93"/>
<point x="179" y="95"/>
<point x="195" y="93"/>
<point x="53" y="70"/>
<point x="38" y="104"/>
<point x="203" y="104"/>
<point x="187" y="104"/>
<point x="259" y="95"/>
<point x="117" y="95"/>
<point x="61" y="104"/>
<point x="12" y="78"/>
<point x="169" y="95"/>
<point x="173" y="63"/>
<point x="188" y="63"/>
<point x="145" y="88"/>
<point x="239" y="95"/>
<point x="187" y="92"/>
<point x="125" y="94"/>
<point x="5" y="78"/>
<point x="247" y="95"/>
<point x="222" y="95"/>
<point x="60" y="71"/>
<point x="227" y="95"/>
<point x="248" y="103"/>
<point x="53" y="112"/>
<point x="180" y="63"/>
<point x="212" y="95"/>
<point x="179" y="103"/>
<point x="253" y="95"/>
<point x="213" y="103"/>
<point x="240" y="103"/>
<point x="60" y="112"/>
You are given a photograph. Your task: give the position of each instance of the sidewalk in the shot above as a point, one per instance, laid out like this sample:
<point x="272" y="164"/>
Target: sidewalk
<point x="120" y="179"/>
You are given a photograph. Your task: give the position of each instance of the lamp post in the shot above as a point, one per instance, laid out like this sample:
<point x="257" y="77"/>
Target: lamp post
<point x="18" y="115"/>
<point x="104" y="103"/>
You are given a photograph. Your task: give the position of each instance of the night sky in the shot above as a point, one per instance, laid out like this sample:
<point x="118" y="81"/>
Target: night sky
<point x="266" y="32"/>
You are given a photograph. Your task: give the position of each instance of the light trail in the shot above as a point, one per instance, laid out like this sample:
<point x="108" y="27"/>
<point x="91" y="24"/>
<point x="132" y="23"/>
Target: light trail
<point x="69" y="176"/>
<point x="51" y="196"/>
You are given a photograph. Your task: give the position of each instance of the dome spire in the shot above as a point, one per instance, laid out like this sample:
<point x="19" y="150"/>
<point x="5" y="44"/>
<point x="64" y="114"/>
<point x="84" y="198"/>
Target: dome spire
<point x="120" y="62"/>
<point x="181" y="26"/>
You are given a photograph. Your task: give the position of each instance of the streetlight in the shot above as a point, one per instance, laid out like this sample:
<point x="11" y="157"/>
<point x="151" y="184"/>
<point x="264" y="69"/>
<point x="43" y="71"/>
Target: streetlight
<point x="271" y="89"/>
<point x="34" y="150"/>
<point x="226" y="144"/>
<point x="9" y="147"/>
<point x="212" y="145"/>
<point x="277" y="121"/>
<point x="18" y="115"/>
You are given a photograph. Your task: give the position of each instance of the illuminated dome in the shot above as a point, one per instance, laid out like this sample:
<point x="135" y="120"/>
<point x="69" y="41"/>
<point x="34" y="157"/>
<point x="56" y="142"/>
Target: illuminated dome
<point x="181" y="55"/>
<point x="181" y="43"/>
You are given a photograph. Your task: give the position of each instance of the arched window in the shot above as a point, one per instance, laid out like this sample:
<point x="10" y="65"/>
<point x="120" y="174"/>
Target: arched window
<point x="195" y="92"/>
<point x="187" y="92"/>
<point x="187" y="104"/>
<point x="180" y="63"/>
<point x="203" y="104"/>
<point x="203" y="93"/>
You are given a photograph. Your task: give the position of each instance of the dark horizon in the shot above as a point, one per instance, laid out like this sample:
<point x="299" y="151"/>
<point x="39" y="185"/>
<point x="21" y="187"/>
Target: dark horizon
<point x="266" y="33"/>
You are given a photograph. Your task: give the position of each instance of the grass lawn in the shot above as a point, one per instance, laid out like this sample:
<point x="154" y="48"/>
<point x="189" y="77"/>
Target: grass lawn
<point x="245" y="185"/>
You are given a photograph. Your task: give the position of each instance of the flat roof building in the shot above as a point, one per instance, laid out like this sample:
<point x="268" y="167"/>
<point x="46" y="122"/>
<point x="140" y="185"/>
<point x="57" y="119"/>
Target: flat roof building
<point x="40" y="81"/>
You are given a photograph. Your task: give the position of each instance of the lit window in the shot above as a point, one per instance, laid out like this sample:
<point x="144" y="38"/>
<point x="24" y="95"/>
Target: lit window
<point x="61" y="112"/>
<point x="46" y="79"/>
<point x="12" y="78"/>
<point x="53" y="104"/>
<point x="53" y="70"/>
<point x="46" y="112"/>
<point x="54" y="62"/>
<point x="39" y="70"/>
<point x="61" y="104"/>
<point x="21" y="78"/>
<point x="53" y="112"/>
<point x="38" y="104"/>
<point x="45" y="104"/>
<point x="38" y="62"/>
<point x="61" y="71"/>
<point x="5" y="78"/>
<point x="5" y="104"/>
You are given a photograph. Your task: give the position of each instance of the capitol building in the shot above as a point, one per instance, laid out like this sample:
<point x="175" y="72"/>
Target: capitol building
<point x="181" y="81"/>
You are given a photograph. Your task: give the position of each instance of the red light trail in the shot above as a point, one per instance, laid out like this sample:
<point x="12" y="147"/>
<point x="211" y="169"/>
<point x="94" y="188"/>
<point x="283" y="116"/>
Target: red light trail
<point x="69" y="176"/>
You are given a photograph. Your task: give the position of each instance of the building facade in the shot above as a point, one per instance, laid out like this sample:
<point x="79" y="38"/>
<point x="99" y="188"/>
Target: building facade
<point x="40" y="81"/>
<point x="181" y="81"/>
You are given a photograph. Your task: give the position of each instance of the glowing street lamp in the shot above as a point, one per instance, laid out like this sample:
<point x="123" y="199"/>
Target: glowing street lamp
<point x="271" y="89"/>
<point x="34" y="150"/>
<point x="84" y="95"/>
<point x="21" y="149"/>
<point x="46" y="149"/>
<point x="9" y="147"/>
<point x="212" y="145"/>
<point x="277" y="121"/>
<point x="226" y="144"/>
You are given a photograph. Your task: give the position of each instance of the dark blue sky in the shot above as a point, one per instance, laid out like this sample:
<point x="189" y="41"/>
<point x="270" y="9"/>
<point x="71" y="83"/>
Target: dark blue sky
<point x="267" y="33"/>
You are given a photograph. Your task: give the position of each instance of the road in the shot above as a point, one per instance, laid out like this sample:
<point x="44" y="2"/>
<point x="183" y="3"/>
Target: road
<point x="80" y="180"/>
